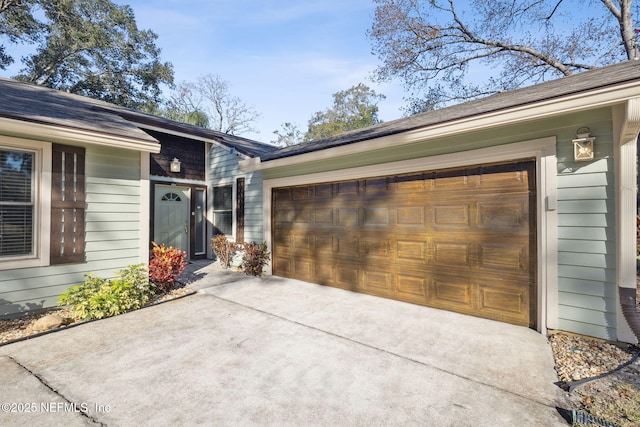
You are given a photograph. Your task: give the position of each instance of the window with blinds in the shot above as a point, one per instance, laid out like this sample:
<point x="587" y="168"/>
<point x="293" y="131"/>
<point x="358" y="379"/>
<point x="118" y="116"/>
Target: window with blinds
<point x="17" y="202"/>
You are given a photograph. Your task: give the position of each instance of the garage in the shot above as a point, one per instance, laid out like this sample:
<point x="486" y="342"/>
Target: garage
<point x="458" y="239"/>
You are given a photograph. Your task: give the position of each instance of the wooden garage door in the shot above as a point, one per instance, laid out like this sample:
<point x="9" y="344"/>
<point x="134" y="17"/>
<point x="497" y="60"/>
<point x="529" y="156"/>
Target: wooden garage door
<point x="460" y="240"/>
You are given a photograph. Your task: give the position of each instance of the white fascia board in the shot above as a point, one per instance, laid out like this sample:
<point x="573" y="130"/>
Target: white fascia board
<point x="190" y="136"/>
<point x="46" y="132"/>
<point x="543" y="109"/>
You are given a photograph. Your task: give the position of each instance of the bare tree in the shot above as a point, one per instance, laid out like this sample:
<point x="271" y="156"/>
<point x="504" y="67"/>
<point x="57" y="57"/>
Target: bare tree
<point x="432" y="45"/>
<point x="210" y="95"/>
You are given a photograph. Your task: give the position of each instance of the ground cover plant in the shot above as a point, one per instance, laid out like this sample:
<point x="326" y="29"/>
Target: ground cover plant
<point x="97" y="297"/>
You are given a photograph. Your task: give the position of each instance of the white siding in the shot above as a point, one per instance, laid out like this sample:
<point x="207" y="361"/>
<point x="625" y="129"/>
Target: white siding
<point x="113" y="226"/>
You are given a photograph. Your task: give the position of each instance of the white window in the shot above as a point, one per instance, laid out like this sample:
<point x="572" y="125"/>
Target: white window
<point x="24" y="212"/>
<point x="223" y="210"/>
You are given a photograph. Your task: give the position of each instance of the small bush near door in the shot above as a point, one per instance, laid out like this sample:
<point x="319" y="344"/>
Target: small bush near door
<point x="254" y="255"/>
<point x="255" y="258"/>
<point x="224" y="249"/>
<point x="165" y="266"/>
<point x="97" y="298"/>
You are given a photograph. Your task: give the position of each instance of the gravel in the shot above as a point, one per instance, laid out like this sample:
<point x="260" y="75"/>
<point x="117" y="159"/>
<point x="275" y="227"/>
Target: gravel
<point x="15" y="329"/>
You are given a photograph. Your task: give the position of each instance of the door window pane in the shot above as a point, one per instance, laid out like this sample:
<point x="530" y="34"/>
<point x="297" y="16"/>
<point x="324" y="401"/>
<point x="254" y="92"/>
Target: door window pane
<point x="200" y="222"/>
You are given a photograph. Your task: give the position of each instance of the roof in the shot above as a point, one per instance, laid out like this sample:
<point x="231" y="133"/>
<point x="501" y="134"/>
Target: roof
<point x="38" y="104"/>
<point x="621" y="73"/>
<point x="242" y="145"/>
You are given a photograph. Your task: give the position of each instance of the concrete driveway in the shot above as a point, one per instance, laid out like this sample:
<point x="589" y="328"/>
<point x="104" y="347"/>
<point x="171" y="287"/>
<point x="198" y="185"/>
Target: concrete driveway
<point x="273" y="351"/>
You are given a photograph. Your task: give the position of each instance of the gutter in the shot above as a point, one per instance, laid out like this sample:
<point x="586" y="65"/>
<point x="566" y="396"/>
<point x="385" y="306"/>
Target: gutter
<point x="66" y="134"/>
<point x="628" y="303"/>
<point x="572" y="103"/>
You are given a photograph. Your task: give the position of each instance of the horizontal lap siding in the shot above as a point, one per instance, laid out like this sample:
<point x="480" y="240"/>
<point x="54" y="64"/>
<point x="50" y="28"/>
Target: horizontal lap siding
<point x="224" y="169"/>
<point x="112" y="234"/>
<point x="586" y="238"/>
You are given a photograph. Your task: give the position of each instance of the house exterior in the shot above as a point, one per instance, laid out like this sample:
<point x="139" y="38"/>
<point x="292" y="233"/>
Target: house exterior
<point x="486" y="208"/>
<point x="82" y="185"/>
<point x="519" y="207"/>
<point x="73" y="195"/>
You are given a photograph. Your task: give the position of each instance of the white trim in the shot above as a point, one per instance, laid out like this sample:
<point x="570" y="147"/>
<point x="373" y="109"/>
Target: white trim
<point x="543" y="150"/>
<point x="145" y="206"/>
<point x="167" y="179"/>
<point x="42" y="196"/>
<point x="70" y="135"/>
<point x="228" y="181"/>
<point x="626" y="126"/>
<point x="524" y="113"/>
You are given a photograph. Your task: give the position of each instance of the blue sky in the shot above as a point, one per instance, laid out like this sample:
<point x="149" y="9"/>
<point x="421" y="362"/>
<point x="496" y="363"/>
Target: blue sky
<point x="285" y="58"/>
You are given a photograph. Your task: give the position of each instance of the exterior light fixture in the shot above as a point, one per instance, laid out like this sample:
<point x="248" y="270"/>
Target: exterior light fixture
<point x="175" y="165"/>
<point x="583" y="145"/>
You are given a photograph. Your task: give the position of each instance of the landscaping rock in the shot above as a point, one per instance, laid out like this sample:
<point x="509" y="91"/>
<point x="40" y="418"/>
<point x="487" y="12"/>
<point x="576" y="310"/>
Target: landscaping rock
<point x="50" y="321"/>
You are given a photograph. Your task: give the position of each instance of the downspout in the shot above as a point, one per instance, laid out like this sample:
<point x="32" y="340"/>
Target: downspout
<point x="626" y="119"/>
<point x="630" y="311"/>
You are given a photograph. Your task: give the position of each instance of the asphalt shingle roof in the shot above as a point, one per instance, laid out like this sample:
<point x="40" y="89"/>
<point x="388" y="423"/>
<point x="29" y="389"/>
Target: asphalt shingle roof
<point x="37" y="104"/>
<point x="599" y="78"/>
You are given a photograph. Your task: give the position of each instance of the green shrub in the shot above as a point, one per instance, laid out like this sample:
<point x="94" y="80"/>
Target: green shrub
<point x="255" y="258"/>
<point x="165" y="265"/>
<point x="97" y="297"/>
<point x="224" y="249"/>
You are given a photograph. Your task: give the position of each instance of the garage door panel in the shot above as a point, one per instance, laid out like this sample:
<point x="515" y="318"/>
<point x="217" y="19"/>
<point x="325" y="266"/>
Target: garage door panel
<point x="348" y="276"/>
<point x="302" y="269"/>
<point x="347" y="217"/>
<point x="377" y="185"/>
<point x="376" y="217"/>
<point x="453" y="254"/>
<point x="411" y="216"/>
<point x="461" y="240"/>
<point x="453" y="216"/>
<point x="503" y="215"/>
<point x="411" y="250"/>
<point x="504" y="257"/>
<point x="504" y="304"/>
<point x="413" y="288"/>
<point x="302" y="193"/>
<point x="376" y="248"/>
<point x="348" y="188"/>
<point x="503" y="300"/>
<point x="451" y="293"/>
<point x="377" y="282"/>
<point x="323" y="217"/>
<point x="347" y="246"/>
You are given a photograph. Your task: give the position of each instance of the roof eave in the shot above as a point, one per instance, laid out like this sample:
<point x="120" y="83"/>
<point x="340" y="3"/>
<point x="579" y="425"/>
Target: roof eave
<point x="575" y="102"/>
<point x="52" y="132"/>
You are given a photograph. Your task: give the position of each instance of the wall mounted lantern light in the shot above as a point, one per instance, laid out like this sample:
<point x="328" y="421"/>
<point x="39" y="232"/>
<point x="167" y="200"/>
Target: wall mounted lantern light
<point x="175" y="165"/>
<point x="583" y="145"/>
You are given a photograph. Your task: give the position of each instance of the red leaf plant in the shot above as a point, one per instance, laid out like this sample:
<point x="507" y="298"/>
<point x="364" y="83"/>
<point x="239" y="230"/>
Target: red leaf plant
<point x="165" y="265"/>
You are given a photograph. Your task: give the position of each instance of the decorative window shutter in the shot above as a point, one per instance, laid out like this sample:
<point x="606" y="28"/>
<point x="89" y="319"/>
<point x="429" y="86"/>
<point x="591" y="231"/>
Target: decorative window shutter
<point x="240" y="210"/>
<point x="67" y="204"/>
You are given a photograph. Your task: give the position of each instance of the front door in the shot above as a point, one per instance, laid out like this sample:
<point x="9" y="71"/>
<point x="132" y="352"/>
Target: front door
<point x="171" y="222"/>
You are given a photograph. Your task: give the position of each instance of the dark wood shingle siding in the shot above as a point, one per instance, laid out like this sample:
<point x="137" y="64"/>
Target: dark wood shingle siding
<point x="190" y="152"/>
